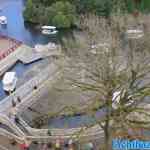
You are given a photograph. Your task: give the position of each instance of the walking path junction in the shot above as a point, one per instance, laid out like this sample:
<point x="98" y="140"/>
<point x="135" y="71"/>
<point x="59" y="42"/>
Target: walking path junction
<point x="12" y="51"/>
<point x="28" y="96"/>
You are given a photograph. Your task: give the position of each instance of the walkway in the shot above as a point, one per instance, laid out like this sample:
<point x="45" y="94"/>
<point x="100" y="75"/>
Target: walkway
<point x="27" y="92"/>
<point x="29" y="96"/>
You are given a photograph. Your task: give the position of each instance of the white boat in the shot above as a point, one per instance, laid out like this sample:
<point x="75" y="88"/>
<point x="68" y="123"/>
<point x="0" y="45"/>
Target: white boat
<point x="9" y="81"/>
<point x="3" y="20"/>
<point x="49" y="30"/>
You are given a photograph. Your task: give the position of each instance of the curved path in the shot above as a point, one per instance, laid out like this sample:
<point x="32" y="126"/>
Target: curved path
<point x="29" y="96"/>
<point x="42" y="135"/>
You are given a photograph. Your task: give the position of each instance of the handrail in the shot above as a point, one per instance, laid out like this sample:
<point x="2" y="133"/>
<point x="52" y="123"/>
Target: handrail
<point x="3" y="148"/>
<point x="9" y="135"/>
<point x="65" y="134"/>
<point x="5" y="120"/>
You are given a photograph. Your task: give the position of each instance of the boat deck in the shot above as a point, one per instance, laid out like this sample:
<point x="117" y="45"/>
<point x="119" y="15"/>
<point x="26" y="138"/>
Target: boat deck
<point x="7" y="46"/>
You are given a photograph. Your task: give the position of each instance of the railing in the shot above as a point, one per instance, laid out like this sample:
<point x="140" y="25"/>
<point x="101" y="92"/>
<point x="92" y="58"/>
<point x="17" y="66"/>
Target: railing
<point x="41" y="135"/>
<point x="5" y="120"/>
<point x="9" y="135"/>
<point x="65" y="134"/>
<point x="15" y="45"/>
<point x="85" y="134"/>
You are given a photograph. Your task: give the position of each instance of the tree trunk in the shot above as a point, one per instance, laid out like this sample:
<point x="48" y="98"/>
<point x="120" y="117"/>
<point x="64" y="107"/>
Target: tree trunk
<point x="107" y="126"/>
<point x="108" y="144"/>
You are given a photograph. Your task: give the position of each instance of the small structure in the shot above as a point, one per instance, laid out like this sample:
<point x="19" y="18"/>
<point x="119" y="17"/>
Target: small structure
<point x="49" y="46"/>
<point x="49" y="30"/>
<point x="50" y="49"/>
<point x="116" y="99"/>
<point x="3" y="20"/>
<point x="9" y="81"/>
<point x="134" y="33"/>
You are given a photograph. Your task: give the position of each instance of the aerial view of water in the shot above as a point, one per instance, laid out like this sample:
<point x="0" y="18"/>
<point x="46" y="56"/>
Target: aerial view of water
<point x="28" y="34"/>
<point x="16" y="28"/>
<point x="20" y="69"/>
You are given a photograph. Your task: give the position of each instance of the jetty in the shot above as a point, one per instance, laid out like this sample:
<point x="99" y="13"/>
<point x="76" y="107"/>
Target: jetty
<point x="12" y="51"/>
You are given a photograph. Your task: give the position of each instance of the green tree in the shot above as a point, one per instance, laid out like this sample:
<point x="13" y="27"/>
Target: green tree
<point x="61" y="21"/>
<point x="62" y="14"/>
<point x="28" y="13"/>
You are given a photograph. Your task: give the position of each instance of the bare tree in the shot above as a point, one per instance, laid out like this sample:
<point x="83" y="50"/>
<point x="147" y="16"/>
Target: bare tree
<point x="113" y="70"/>
<point x="115" y="73"/>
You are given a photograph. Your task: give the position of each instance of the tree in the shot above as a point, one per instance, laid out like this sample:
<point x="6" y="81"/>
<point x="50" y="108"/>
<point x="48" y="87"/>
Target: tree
<point x="62" y="14"/>
<point x="116" y="75"/>
<point x="28" y="13"/>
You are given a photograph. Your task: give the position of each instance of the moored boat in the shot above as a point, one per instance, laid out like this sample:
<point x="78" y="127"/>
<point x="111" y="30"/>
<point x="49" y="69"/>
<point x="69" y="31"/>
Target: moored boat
<point x="49" y="30"/>
<point x="3" y="20"/>
<point x="9" y="81"/>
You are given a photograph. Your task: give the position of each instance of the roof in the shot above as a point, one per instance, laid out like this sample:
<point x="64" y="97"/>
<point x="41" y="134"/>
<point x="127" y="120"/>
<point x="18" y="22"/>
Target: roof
<point x="9" y="77"/>
<point x="134" y="31"/>
<point x="48" y="27"/>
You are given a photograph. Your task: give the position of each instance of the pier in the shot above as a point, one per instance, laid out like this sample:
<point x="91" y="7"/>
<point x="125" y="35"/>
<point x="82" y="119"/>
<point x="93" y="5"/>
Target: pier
<point x="12" y="51"/>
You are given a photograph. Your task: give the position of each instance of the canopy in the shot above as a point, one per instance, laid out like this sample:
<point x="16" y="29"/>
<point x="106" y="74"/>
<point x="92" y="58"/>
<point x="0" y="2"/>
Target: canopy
<point x="48" y="27"/>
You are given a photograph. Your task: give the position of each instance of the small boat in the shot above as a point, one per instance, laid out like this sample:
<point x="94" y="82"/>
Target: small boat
<point x="3" y="20"/>
<point x="49" y="30"/>
<point x="9" y="81"/>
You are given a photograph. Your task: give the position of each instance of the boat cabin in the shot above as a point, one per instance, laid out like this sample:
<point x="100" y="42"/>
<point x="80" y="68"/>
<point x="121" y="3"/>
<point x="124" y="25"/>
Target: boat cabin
<point x="49" y="30"/>
<point x="9" y="81"/>
<point x="3" y="20"/>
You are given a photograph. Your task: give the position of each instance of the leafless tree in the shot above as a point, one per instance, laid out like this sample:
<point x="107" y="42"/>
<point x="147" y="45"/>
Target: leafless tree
<point x="115" y="69"/>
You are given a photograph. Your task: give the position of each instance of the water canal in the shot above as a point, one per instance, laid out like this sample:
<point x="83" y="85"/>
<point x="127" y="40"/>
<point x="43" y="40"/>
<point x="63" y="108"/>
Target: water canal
<point x="20" y="70"/>
<point x="17" y="29"/>
<point x="28" y="34"/>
